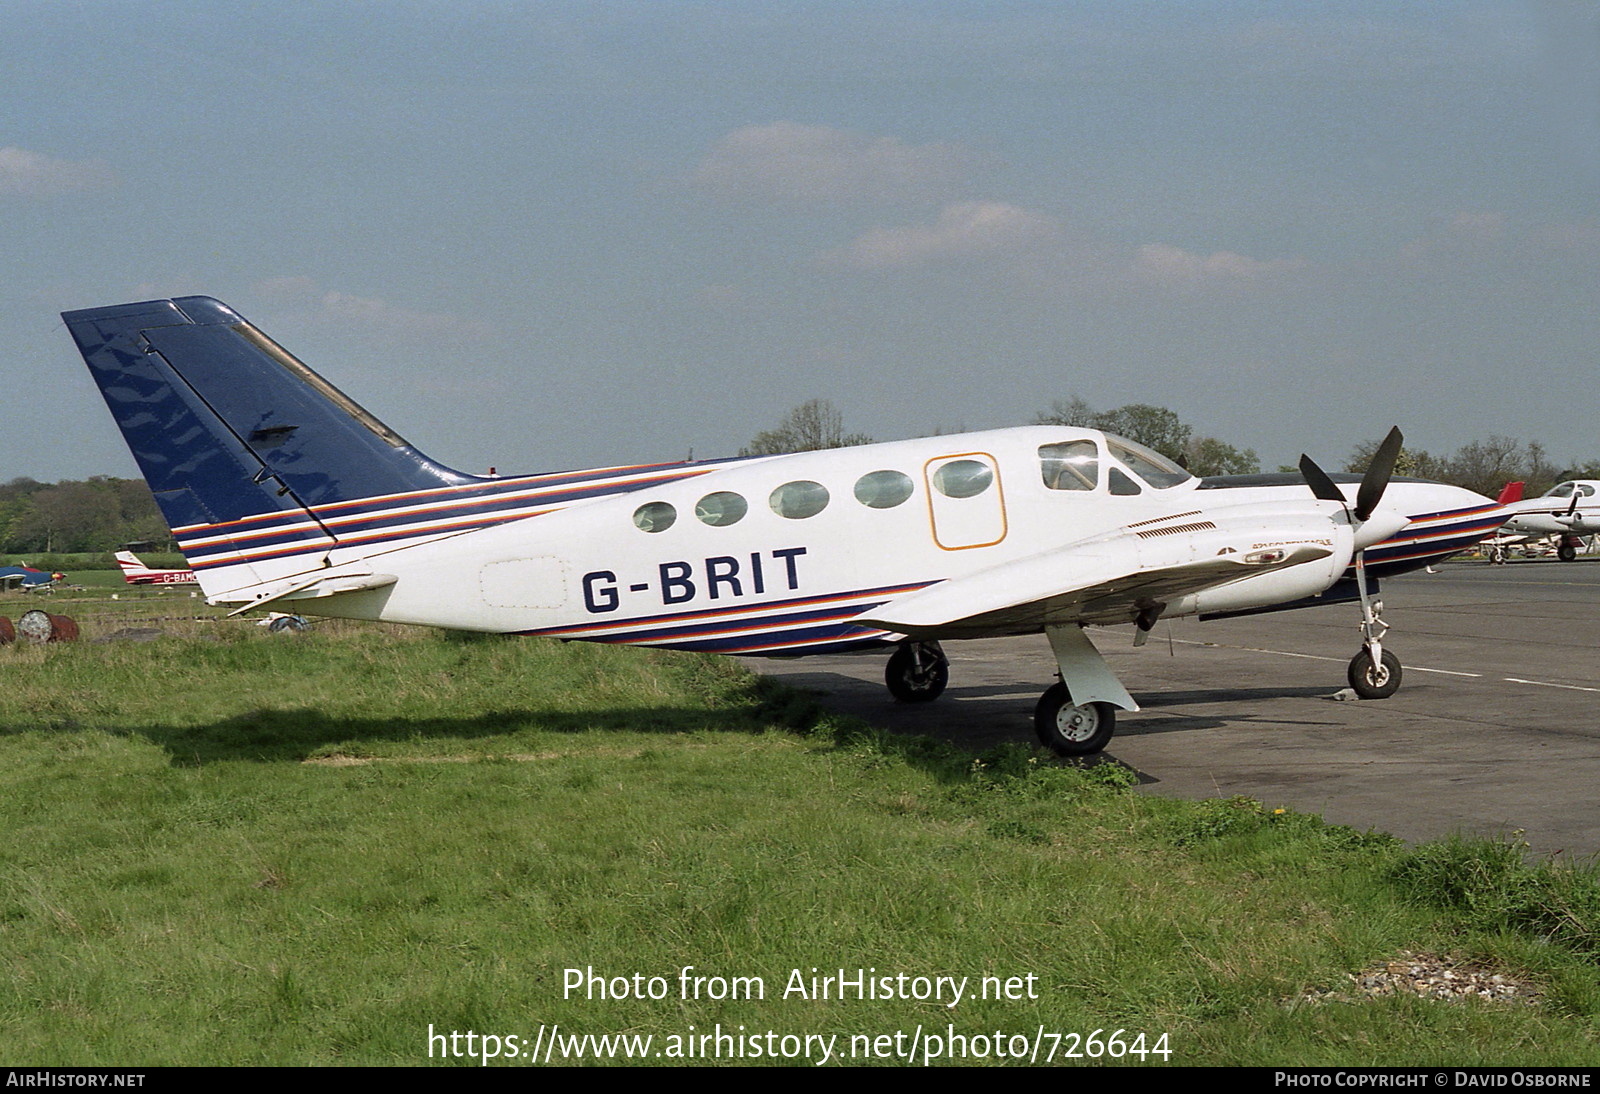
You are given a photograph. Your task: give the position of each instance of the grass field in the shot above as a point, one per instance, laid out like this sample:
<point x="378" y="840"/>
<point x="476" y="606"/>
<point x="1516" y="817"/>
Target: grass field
<point x="229" y="847"/>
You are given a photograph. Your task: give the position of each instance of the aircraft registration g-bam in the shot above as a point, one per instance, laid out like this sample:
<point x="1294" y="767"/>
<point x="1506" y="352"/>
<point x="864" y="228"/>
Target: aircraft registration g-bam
<point x="284" y="493"/>
<point x="135" y="572"/>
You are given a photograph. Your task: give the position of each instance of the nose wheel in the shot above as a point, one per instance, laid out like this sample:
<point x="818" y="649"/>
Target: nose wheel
<point x="1374" y="679"/>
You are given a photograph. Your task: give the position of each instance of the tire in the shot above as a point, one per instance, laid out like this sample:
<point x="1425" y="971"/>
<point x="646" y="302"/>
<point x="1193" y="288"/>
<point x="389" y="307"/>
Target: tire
<point x="1070" y="730"/>
<point x="1567" y="553"/>
<point x="1374" y="682"/>
<point x="907" y="684"/>
<point x="288" y="624"/>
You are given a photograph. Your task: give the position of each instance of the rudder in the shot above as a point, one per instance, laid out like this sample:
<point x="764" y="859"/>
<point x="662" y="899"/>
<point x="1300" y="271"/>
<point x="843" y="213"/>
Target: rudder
<point x="239" y="441"/>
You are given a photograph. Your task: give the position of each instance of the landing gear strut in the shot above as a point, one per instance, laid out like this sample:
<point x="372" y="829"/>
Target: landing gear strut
<point x="917" y="672"/>
<point x="1374" y="672"/>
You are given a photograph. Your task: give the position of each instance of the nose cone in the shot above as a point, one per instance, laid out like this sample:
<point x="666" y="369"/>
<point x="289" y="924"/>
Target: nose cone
<point x="1380" y="526"/>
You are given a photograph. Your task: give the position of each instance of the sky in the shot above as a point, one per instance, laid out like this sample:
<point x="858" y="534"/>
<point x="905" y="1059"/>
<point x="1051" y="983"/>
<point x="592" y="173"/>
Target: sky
<point x="542" y="236"/>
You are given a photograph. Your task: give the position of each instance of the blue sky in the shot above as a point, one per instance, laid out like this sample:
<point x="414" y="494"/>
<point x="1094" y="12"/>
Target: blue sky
<point x="543" y="236"/>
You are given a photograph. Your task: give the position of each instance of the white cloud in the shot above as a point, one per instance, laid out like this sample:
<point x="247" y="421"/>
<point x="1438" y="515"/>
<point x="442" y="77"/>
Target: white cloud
<point x="1165" y="264"/>
<point x="789" y="161"/>
<point x="962" y="230"/>
<point x="33" y="174"/>
<point x="368" y="312"/>
<point x="1456" y="237"/>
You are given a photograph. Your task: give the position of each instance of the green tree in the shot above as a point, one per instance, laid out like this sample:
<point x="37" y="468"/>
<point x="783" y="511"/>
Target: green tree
<point x="76" y="516"/>
<point x="1209" y="456"/>
<point x="1158" y="428"/>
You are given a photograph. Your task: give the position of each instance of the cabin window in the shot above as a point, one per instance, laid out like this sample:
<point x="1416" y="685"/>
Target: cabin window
<point x="721" y="509"/>
<point x="1070" y="465"/>
<point x="883" y="489"/>
<point x="1121" y="484"/>
<point x="797" y="500"/>
<point x="1562" y="491"/>
<point x="654" y="516"/>
<point x="963" y="479"/>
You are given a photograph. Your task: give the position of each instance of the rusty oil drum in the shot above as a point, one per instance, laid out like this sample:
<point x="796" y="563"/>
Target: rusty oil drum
<point x="41" y="626"/>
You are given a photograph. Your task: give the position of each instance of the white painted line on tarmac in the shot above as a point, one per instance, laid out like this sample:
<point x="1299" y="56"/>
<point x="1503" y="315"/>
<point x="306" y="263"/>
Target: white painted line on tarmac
<point x="1548" y="684"/>
<point x="1318" y="657"/>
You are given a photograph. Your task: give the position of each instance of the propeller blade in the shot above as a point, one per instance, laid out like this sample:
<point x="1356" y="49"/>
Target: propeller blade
<point x="1321" y="486"/>
<point x="1379" y="471"/>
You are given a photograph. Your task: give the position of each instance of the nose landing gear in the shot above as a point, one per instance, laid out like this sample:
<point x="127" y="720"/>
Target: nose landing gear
<point x="1374" y="672"/>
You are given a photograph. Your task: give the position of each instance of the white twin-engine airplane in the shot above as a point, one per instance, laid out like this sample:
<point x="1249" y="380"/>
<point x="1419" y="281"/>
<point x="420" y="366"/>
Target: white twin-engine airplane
<point x="1569" y="510"/>
<point x="284" y="494"/>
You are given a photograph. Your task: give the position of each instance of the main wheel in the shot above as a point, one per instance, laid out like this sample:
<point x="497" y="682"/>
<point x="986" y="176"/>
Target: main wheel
<point x="1071" y="730"/>
<point x="1374" y="681"/>
<point x="910" y="683"/>
<point x="1567" y="553"/>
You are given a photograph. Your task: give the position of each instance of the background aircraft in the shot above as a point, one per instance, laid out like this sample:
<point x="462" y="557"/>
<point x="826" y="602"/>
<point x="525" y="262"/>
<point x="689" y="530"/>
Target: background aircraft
<point x="135" y="572"/>
<point x="284" y="493"/>
<point x="1568" y="510"/>
<point x="26" y="577"/>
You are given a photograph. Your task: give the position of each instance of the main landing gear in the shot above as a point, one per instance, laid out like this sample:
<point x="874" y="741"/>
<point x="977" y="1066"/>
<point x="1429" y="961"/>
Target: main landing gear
<point x="917" y="672"/>
<point x="1072" y="729"/>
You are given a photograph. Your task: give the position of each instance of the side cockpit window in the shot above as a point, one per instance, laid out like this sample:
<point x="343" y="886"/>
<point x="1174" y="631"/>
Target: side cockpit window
<point x="1154" y="468"/>
<point x="1070" y="465"/>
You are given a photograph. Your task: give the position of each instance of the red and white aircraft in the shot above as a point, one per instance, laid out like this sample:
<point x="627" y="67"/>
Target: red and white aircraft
<point x="135" y="572"/>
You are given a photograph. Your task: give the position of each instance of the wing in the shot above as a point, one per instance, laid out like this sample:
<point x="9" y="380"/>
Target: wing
<point x="1109" y="580"/>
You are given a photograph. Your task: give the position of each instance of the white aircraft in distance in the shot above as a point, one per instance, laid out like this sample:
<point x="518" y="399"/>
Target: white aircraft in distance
<point x="1569" y="510"/>
<point x="135" y="572"/>
<point x="285" y="494"/>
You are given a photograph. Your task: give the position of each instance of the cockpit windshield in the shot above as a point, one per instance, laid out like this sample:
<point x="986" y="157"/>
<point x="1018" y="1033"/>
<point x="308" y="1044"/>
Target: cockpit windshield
<point x="1152" y="467"/>
<point x="1565" y="490"/>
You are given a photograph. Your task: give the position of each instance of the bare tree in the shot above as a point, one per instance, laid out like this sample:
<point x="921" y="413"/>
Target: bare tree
<point x="809" y="427"/>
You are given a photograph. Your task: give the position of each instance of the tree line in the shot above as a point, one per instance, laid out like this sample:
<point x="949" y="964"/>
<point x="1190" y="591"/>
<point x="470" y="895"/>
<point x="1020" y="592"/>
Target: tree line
<point x="102" y="513"/>
<point x="70" y="517"/>
<point x="1484" y="466"/>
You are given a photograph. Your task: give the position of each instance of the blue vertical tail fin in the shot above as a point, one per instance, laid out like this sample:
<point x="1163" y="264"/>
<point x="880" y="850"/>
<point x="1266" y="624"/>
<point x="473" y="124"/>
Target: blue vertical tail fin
<point x="241" y="443"/>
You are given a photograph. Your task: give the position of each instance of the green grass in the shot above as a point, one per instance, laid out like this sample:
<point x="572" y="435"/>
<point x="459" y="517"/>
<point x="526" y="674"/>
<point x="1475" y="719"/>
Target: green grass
<point x="227" y="847"/>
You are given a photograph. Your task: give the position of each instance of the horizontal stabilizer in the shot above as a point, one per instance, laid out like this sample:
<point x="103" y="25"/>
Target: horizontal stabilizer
<point x="313" y="588"/>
